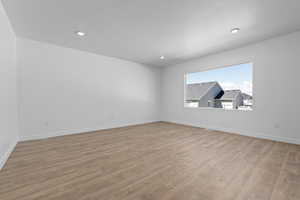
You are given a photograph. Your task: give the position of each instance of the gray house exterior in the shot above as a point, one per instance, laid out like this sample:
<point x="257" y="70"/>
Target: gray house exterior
<point x="231" y="98"/>
<point x="203" y="93"/>
<point x="211" y="94"/>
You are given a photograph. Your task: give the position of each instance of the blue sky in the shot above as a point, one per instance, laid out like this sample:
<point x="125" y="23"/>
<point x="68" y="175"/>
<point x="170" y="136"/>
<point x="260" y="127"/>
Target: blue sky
<point x="232" y="77"/>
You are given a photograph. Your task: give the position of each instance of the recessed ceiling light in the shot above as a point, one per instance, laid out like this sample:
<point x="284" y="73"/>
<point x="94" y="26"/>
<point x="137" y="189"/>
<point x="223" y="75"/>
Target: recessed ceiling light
<point x="235" y="30"/>
<point x="162" y="57"/>
<point x="80" y="33"/>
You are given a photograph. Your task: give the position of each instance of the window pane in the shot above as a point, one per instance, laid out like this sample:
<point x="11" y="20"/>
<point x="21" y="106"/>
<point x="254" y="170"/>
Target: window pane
<point x="227" y="88"/>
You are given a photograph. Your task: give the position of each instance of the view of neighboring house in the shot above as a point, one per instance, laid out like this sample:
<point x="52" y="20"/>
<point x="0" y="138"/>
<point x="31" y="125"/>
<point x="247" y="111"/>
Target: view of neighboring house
<point x="211" y="94"/>
<point x="202" y="94"/>
<point x="231" y="99"/>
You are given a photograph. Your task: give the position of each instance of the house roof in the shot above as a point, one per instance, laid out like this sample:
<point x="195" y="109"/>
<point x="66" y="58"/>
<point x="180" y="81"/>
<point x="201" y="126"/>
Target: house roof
<point x="246" y="96"/>
<point x="197" y="90"/>
<point x="230" y="94"/>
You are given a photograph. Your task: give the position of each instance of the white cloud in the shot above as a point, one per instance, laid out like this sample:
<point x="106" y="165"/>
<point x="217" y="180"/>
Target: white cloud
<point x="245" y="87"/>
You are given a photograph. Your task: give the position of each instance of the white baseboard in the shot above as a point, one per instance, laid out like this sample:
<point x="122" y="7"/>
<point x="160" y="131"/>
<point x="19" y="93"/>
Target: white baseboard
<point x="243" y="132"/>
<point x="8" y="152"/>
<point x="78" y="131"/>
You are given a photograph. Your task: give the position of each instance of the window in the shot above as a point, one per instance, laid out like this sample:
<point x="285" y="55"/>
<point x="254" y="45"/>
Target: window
<point x="226" y="88"/>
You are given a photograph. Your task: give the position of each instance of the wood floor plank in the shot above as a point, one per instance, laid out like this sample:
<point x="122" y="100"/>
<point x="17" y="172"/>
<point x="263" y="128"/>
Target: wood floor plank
<point x="287" y="186"/>
<point x="156" y="161"/>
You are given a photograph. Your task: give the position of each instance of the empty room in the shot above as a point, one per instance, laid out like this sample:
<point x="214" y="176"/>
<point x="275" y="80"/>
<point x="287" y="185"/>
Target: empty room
<point x="149" y="100"/>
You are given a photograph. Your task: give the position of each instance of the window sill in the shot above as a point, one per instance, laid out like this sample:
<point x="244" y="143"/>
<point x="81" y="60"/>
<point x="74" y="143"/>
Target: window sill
<point x="208" y="108"/>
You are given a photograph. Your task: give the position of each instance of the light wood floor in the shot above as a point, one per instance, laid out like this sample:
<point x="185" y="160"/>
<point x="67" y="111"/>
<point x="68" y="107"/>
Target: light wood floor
<point x="157" y="161"/>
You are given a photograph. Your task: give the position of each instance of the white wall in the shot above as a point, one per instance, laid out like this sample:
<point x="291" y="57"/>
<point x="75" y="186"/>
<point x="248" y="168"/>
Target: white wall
<point x="8" y="98"/>
<point x="276" y="91"/>
<point x="65" y="91"/>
